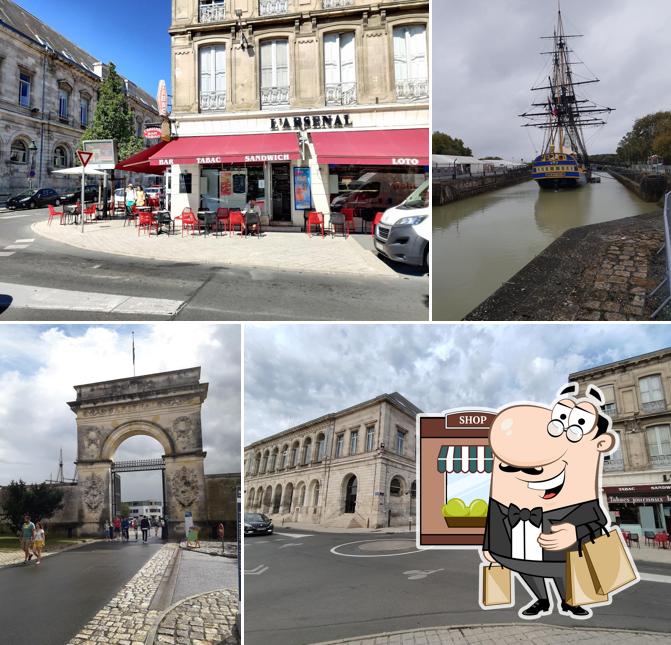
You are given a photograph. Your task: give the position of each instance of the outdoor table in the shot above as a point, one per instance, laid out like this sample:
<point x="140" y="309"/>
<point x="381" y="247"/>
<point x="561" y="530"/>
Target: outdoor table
<point x="165" y="222"/>
<point x="209" y="218"/>
<point x="71" y="214"/>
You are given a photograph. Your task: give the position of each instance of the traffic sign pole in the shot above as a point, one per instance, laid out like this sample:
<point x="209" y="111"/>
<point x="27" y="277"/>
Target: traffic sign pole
<point x="84" y="157"/>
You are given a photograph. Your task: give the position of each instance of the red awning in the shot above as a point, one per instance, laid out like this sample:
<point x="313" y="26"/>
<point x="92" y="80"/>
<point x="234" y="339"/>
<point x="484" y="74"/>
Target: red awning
<point x="139" y="162"/>
<point x="231" y="148"/>
<point x="374" y="147"/>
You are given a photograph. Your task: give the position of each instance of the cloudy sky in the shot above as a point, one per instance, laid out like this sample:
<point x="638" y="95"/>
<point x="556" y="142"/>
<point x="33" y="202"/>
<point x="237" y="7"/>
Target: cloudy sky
<point x="40" y="364"/>
<point x="486" y="57"/>
<point x="297" y="373"/>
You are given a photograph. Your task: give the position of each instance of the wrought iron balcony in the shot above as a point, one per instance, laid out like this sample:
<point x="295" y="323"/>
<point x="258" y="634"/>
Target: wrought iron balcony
<point x="273" y="7"/>
<point x="336" y="4"/>
<point x="214" y="12"/>
<point x="653" y="406"/>
<point x="412" y="89"/>
<point x="660" y="461"/>
<point x="272" y="97"/>
<point x="609" y="465"/>
<point x="341" y="94"/>
<point x="213" y="101"/>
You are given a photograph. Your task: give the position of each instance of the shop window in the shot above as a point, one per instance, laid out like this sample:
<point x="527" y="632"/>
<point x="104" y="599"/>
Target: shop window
<point x="18" y="153"/>
<point x="213" y="78"/>
<point x="274" y="74"/>
<point x="61" y="157"/>
<point x="25" y="87"/>
<point x="659" y="445"/>
<point x="628" y="513"/>
<point x="353" y="442"/>
<point x="340" y="69"/>
<point x="410" y="63"/>
<point x="652" y="393"/>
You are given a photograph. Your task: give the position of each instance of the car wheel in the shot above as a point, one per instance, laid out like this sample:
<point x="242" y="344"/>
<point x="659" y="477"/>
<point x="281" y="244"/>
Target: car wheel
<point x="425" y="262"/>
<point x="270" y="532"/>
<point x="31" y="205"/>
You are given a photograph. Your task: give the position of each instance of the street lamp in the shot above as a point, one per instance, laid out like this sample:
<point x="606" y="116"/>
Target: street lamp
<point x="32" y="149"/>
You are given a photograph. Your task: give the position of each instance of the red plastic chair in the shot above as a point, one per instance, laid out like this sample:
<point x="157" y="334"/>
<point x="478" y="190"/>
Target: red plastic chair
<point x="376" y="221"/>
<point x="236" y="218"/>
<point x="349" y="217"/>
<point x="90" y="212"/>
<point x="223" y="217"/>
<point x="147" y="221"/>
<point x="53" y="213"/>
<point x="662" y="540"/>
<point x="315" y="219"/>
<point x="186" y="215"/>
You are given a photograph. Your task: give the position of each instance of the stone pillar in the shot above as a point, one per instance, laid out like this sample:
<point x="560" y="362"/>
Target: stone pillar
<point x="95" y="506"/>
<point x="185" y="491"/>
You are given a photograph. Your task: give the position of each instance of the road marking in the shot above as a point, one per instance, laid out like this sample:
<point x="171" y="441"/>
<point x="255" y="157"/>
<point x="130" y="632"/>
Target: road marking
<point x="16" y="247"/>
<point x="5" y="254"/>
<point x="286" y="546"/>
<point x="418" y="574"/>
<point x="335" y="551"/>
<point x="30" y="297"/>
<point x="24" y="241"/>
<point x="17" y="216"/>
<point x="655" y="577"/>
<point x="294" y="535"/>
<point x="261" y="569"/>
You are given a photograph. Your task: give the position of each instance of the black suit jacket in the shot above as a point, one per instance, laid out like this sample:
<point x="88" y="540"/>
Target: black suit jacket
<point x="587" y="517"/>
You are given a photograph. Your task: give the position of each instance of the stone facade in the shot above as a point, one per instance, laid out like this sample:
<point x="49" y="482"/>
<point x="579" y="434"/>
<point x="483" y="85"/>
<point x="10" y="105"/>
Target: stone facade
<point x="44" y="80"/>
<point x="222" y="502"/>
<point x="239" y="101"/>
<point x="638" y="395"/>
<point x="352" y="468"/>
<point x="166" y="407"/>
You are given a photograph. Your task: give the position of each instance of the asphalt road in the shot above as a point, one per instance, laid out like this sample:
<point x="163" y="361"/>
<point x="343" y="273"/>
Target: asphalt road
<point x="298" y="592"/>
<point x="48" y="604"/>
<point x="203" y="292"/>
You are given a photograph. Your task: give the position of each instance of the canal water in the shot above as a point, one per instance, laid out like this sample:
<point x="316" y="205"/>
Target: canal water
<point x="481" y="242"/>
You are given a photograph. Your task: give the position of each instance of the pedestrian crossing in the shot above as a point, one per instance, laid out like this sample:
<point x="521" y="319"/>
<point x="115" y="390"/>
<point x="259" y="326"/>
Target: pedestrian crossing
<point x="18" y="245"/>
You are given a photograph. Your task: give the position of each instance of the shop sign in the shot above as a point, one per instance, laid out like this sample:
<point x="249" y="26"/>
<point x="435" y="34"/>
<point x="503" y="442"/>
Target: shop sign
<point x="313" y="122"/>
<point x="618" y="499"/>
<point x="153" y="133"/>
<point x="278" y="157"/>
<point x="405" y="161"/>
<point x="302" y="188"/>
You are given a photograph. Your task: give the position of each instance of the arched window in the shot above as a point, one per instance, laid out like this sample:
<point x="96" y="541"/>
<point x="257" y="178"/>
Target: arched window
<point x="315" y="499"/>
<point x="19" y="151"/>
<point x="294" y="454"/>
<point x="264" y="463"/>
<point x="283" y="461"/>
<point x="413" y="490"/>
<point x="396" y="487"/>
<point x="307" y="444"/>
<point x="250" y="499"/>
<point x="321" y="446"/>
<point x="350" y="495"/>
<point x="61" y="157"/>
<point x="273" y="461"/>
<point x="257" y="463"/>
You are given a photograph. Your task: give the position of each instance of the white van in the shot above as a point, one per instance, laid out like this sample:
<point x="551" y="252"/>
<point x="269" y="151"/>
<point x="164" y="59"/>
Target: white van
<point x="404" y="232"/>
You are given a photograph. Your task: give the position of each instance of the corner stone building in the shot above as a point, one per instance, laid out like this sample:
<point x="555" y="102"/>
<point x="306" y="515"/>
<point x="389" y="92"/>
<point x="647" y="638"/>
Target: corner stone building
<point x="48" y="94"/>
<point x="354" y="468"/>
<point x="637" y="477"/>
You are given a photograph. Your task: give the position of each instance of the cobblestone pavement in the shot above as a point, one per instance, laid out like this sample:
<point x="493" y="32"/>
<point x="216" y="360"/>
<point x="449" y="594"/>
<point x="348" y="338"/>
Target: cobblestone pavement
<point x="206" y="619"/>
<point x="212" y="547"/>
<point x="535" y="634"/>
<point x="127" y="619"/>
<point x="281" y="251"/>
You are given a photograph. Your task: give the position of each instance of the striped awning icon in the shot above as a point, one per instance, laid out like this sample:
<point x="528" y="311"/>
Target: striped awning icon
<point x="465" y="459"/>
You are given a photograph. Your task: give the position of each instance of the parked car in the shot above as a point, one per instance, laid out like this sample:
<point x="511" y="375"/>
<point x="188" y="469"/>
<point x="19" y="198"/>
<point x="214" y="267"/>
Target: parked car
<point x="90" y="195"/>
<point x="35" y="199"/>
<point x="154" y="191"/>
<point x="403" y="233"/>
<point x="119" y="197"/>
<point x="258" y="524"/>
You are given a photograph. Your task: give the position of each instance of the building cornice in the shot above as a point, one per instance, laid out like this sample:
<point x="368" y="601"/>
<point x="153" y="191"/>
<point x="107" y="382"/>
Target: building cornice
<point x="620" y="366"/>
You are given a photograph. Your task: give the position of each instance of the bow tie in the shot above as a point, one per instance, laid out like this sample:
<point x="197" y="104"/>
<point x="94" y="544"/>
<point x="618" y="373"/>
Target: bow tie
<point x="517" y="515"/>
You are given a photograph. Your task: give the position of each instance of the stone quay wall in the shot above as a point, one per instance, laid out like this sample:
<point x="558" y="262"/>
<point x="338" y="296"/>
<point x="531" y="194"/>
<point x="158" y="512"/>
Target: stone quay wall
<point x="650" y="188"/>
<point x="447" y="189"/>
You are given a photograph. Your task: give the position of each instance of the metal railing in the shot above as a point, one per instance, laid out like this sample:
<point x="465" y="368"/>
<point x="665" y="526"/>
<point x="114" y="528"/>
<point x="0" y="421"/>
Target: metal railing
<point x="213" y="12"/>
<point x="273" y="7"/>
<point x="467" y="171"/>
<point x="336" y="4"/>
<point x="610" y="465"/>
<point x="654" y="406"/>
<point x="340" y="93"/>
<point x="213" y="101"/>
<point x="274" y="97"/>
<point x="667" y="248"/>
<point x="138" y="465"/>
<point x="412" y="89"/>
<point x="660" y="461"/>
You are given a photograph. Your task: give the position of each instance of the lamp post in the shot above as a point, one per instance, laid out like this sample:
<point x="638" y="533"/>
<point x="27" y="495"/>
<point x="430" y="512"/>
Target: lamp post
<point x="32" y="149"/>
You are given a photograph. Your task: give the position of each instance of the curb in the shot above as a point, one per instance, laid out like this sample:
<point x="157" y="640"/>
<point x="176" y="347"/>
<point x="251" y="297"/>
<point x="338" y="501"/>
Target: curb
<point x="228" y="553"/>
<point x="480" y="626"/>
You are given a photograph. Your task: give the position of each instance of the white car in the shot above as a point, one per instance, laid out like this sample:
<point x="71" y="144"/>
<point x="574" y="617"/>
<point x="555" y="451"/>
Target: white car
<point x="404" y="232"/>
<point x="119" y="197"/>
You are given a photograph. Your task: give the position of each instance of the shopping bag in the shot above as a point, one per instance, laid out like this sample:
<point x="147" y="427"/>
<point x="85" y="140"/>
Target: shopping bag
<point x="495" y="585"/>
<point x="609" y="562"/>
<point x="580" y="586"/>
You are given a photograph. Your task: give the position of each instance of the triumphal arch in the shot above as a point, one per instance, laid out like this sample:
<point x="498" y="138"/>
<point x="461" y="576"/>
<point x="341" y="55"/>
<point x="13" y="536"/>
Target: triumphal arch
<point x="164" y="406"/>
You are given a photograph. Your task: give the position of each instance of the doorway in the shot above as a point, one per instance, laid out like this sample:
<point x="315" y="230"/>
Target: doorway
<point x="281" y="195"/>
<point x="350" y="495"/>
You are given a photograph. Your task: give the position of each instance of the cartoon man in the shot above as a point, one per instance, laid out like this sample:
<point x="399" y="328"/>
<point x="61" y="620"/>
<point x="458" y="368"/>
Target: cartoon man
<point x="544" y="497"/>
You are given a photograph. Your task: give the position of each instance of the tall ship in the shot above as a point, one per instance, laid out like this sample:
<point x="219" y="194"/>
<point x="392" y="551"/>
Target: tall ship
<point x="563" y="162"/>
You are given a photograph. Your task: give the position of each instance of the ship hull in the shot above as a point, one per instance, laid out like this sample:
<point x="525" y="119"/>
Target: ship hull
<point x="553" y="171"/>
<point x="561" y="183"/>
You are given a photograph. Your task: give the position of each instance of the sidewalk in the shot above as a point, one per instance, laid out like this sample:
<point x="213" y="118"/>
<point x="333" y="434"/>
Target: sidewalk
<point x="274" y="250"/>
<point x="9" y="558"/>
<point x="533" y="633"/>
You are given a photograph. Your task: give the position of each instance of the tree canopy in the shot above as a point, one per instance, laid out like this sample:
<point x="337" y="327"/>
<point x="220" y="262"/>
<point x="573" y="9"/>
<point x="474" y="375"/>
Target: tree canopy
<point x="40" y="501"/>
<point x="113" y="118"/>
<point x="444" y="144"/>
<point x="650" y="135"/>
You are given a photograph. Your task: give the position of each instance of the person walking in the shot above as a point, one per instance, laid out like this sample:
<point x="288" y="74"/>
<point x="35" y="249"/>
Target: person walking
<point x="110" y="528"/>
<point x="145" y="526"/>
<point x="106" y="531"/>
<point x="39" y="542"/>
<point x="134" y="525"/>
<point x="130" y="197"/>
<point x="156" y="527"/>
<point x="140" y="197"/>
<point x="27" y="533"/>
<point x="125" y="525"/>
<point x="117" y="527"/>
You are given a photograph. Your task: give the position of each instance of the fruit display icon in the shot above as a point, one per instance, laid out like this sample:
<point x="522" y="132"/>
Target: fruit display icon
<point x="458" y="515"/>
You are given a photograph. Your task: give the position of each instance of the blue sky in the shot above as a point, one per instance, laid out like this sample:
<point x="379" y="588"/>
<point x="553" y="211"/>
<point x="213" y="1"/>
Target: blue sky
<point x="131" y="33"/>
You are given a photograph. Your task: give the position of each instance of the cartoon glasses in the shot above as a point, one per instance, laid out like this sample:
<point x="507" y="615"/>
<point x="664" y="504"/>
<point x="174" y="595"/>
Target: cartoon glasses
<point x="574" y="421"/>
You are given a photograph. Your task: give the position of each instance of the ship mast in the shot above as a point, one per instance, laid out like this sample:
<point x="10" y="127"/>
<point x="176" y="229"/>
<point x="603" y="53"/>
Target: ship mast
<point x="564" y="115"/>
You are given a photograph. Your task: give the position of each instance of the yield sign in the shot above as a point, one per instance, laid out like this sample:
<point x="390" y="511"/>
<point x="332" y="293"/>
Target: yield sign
<point x="84" y="157"/>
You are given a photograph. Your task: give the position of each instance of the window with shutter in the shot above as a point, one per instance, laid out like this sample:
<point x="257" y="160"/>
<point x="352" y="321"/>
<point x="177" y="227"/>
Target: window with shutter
<point x="274" y="73"/>
<point x="410" y="63"/>
<point x="213" y="78"/>
<point x="340" y="69"/>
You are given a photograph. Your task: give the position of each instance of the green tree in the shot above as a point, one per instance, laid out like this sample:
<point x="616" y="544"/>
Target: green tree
<point x="40" y="501"/>
<point x="491" y="158"/>
<point x="444" y="144"/>
<point x="640" y="142"/>
<point x="113" y="118"/>
<point x="124" y="509"/>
